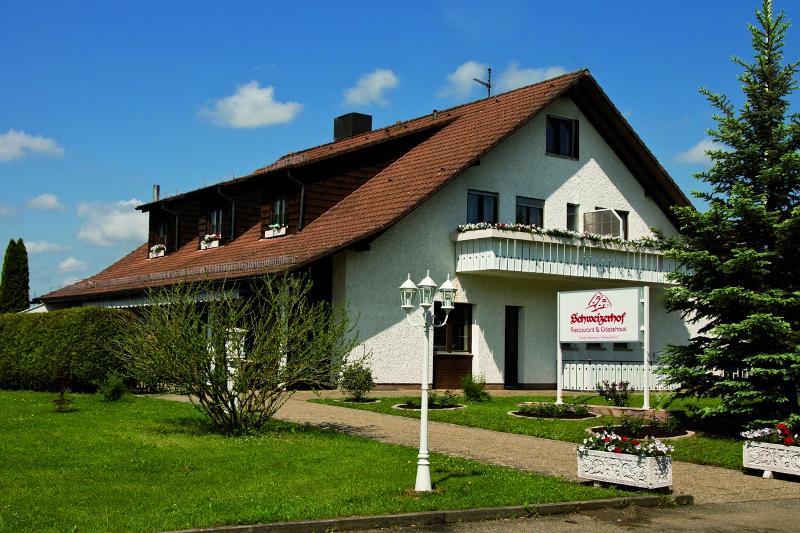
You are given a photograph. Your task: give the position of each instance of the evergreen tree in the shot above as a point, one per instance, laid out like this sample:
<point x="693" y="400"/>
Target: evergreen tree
<point x="742" y="281"/>
<point x="14" y="283"/>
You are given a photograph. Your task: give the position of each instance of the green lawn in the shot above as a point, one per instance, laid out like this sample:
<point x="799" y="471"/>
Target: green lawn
<point x="702" y="448"/>
<point x="144" y="464"/>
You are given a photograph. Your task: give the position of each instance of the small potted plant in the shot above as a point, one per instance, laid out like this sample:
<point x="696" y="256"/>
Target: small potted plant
<point x="274" y="230"/>
<point x="609" y="458"/>
<point x="773" y="449"/>
<point x="157" y="250"/>
<point x="210" y="241"/>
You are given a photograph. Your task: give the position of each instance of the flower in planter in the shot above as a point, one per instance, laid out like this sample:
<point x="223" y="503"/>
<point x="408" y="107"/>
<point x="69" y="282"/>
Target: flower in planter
<point x="611" y="442"/>
<point x="779" y="434"/>
<point x="208" y="239"/>
<point x="275" y="226"/>
<point x="158" y="248"/>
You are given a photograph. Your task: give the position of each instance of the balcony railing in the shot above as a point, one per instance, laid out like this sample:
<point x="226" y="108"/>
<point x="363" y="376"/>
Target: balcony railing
<point x="493" y="250"/>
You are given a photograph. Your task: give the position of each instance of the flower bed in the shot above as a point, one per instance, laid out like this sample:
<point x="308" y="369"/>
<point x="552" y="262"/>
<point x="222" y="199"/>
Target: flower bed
<point x="554" y="232"/>
<point x="775" y="449"/>
<point x="551" y="410"/>
<point x="611" y="458"/>
<point x="444" y="401"/>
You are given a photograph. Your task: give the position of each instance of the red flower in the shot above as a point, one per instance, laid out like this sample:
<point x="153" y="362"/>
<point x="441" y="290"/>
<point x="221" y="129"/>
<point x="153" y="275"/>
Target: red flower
<point x="617" y="450"/>
<point x="624" y="439"/>
<point x="635" y="442"/>
<point x="788" y="441"/>
<point x="782" y="428"/>
<point x="607" y="440"/>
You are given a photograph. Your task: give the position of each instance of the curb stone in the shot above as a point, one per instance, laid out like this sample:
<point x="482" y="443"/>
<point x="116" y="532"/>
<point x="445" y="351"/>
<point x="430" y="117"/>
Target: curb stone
<point x="443" y="517"/>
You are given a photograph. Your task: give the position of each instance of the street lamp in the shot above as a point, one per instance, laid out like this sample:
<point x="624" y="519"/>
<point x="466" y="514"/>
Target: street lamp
<point x="426" y="290"/>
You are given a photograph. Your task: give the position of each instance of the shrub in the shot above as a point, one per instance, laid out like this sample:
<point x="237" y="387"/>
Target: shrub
<point x="617" y="394"/>
<point x="112" y="388"/>
<point x="435" y="400"/>
<point x="356" y="381"/>
<point x="474" y="388"/>
<point x="73" y="348"/>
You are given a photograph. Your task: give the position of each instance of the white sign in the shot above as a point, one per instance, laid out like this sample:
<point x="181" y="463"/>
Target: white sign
<point x="607" y="315"/>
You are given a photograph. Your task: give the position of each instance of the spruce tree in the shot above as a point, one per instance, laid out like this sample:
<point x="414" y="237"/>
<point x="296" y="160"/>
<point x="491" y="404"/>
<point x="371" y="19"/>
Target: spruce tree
<point x="14" y="283"/>
<point x="742" y="281"/>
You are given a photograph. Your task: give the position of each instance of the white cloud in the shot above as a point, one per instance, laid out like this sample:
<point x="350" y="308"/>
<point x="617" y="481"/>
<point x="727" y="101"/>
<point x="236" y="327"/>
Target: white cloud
<point x="45" y="202"/>
<point x="7" y="211"/>
<point x="696" y="155"/>
<point x="16" y="144"/>
<point x="460" y="83"/>
<point x="370" y="88"/>
<point x="251" y="107"/>
<point x="70" y="264"/>
<point x="514" y="77"/>
<point x="41" y="247"/>
<point x="107" y="224"/>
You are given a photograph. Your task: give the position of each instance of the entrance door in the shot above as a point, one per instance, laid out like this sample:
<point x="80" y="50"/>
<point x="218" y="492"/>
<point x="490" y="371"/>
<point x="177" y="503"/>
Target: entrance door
<point x="511" y="378"/>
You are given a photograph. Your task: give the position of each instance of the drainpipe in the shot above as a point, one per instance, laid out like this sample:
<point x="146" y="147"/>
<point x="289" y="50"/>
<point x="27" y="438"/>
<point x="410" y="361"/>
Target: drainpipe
<point x="233" y="212"/>
<point x="177" y="220"/>
<point x="302" y="199"/>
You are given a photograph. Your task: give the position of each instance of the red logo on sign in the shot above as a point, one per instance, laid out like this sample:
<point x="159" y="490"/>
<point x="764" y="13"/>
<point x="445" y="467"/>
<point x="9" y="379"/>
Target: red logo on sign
<point x="598" y="302"/>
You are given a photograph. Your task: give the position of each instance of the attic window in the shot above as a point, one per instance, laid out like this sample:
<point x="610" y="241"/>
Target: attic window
<point x="279" y="213"/>
<point x="215" y="222"/>
<point x="562" y="137"/>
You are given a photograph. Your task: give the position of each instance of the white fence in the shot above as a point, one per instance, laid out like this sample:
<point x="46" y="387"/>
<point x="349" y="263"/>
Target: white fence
<point x="580" y="375"/>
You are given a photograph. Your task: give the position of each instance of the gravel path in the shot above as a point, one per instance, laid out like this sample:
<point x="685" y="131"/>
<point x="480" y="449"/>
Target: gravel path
<point x="708" y="484"/>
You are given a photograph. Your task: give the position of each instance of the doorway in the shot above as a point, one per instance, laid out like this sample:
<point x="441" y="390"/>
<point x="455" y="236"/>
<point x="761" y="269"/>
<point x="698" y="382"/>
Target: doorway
<point x="511" y="373"/>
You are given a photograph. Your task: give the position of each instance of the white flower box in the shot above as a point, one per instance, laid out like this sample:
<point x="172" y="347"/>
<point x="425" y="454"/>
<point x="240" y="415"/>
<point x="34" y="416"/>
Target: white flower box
<point x="771" y="458"/>
<point x="157" y="253"/>
<point x="625" y="469"/>
<point x="274" y="232"/>
<point x="205" y="245"/>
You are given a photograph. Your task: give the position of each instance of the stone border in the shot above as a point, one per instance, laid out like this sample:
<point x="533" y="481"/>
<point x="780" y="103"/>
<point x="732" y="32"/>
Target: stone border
<point x="447" y="517"/>
<point x="456" y="408"/>
<point x="511" y="413"/>
<point x="689" y="433"/>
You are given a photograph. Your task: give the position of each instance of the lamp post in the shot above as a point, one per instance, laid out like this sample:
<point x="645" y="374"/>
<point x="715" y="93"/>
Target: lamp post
<point x="426" y="290"/>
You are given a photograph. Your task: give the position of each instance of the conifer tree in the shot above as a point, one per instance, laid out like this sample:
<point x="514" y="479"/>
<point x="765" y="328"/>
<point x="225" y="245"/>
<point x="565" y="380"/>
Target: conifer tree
<point x="14" y="282"/>
<point x="742" y="280"/>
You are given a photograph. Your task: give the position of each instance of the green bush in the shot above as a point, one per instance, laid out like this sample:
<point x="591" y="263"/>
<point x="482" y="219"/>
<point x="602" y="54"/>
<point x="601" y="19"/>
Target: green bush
<point x="618" y="394"/>
<point x="474" y="388"/>
<point x="552" y="410"/>
<point x="72" y="348"/>
<point x="112" y="388"/>
<point x="356" y="381"/>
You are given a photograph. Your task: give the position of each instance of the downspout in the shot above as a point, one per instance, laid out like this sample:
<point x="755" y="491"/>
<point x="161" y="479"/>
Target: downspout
<point x="177" y="221"/>
<point x="233" y="212"/>
<point x="302" y="199"/>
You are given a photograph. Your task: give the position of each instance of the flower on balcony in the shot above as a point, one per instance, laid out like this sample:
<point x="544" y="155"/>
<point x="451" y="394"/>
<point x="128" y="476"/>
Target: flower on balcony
<point x="611" y="442"/>
<point x="211" y="237"/>
<point x="646" y="242"/>
<point x="158" y="248"/>
<point x="778" y="434"/>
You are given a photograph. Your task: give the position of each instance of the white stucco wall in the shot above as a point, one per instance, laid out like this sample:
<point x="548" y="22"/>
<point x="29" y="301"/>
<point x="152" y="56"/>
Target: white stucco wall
<point x="519" y="166"/>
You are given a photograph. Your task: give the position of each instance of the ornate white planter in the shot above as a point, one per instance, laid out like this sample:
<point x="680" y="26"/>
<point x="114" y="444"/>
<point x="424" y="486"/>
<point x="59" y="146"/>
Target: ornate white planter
<point x="771" y="458"/>
<point x="625" y="469"/>
<point x="204" y="245"/>
<point x="274" y="232"/>
<point x="159" y="253"/>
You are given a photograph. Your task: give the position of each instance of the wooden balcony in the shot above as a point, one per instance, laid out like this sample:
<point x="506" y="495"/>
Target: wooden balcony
<point x="492" y="250"/>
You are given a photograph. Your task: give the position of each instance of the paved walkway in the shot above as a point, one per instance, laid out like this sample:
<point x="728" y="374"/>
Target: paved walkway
<point x="707" y="484"/>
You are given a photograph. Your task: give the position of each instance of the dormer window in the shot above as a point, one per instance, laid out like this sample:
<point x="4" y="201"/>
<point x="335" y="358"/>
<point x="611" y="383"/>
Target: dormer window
<point x="279" y="212"/>
<point x="215" y="222"/>
<point x="277" y="226"/>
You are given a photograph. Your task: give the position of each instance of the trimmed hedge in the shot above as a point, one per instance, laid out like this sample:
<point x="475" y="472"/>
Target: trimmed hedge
<point x="39" y="350"/>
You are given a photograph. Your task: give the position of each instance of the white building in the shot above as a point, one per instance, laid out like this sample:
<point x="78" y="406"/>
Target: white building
<point x="361" y="213"/>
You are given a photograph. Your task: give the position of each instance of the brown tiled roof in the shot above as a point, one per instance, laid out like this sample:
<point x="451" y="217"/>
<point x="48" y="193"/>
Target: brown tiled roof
<point x="467" y="133"/>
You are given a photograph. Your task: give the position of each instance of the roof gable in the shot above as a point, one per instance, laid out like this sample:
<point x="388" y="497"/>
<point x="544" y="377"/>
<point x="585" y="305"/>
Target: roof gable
<point x="460" y="137"/>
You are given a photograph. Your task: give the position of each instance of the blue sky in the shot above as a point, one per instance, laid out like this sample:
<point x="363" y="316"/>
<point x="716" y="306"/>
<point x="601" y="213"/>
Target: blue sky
<point x="100" y="100"/>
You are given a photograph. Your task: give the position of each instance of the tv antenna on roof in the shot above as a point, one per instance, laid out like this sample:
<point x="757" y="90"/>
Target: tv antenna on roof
<point x="487" y="83"/>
